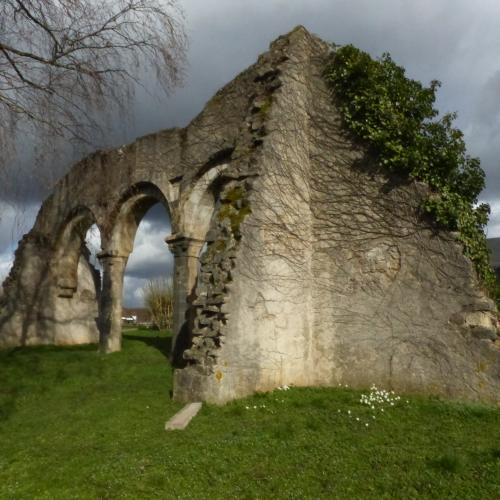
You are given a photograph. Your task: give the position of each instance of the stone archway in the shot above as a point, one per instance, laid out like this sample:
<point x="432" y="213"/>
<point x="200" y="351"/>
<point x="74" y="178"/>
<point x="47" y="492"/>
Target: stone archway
<point x="69" y="247"/>
<point x="296" y="285"/>
<point x="56" y="300"/>
<point x="198" y="210"/>
<point x="74" y="298"/>
<point x="185" y="245"/>
<point x="127" y="215"/>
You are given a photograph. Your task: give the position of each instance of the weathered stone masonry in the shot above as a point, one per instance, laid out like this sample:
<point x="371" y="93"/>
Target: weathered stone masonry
<point x="297" y="261"/>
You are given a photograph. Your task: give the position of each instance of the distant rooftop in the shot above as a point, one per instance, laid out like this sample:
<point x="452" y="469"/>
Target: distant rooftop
<point x="494" y="246"/>
<point x="142" y="314"/>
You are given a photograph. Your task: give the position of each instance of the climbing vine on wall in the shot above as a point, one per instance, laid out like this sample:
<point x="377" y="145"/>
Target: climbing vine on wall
<point x="397" y="117"/>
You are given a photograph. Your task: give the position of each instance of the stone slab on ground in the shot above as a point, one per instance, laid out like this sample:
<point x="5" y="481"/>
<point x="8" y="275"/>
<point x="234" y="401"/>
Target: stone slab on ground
<point x="182" y="418"/>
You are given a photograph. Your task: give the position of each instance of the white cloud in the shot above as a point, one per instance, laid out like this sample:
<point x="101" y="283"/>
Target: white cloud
<point x="93" y="242"/>
<point x="150" y="258"/>
<point x="494" y="224"/>
<point x="6" y="261"/>
<point x="15" y="220"/>
<point x="132" y="291"/>
<point x="151" y="255"/>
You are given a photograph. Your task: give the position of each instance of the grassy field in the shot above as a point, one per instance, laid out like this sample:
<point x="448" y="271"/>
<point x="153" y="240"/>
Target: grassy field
<point x="74" y="424"/>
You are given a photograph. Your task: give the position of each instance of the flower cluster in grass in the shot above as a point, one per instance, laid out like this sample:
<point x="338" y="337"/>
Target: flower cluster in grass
<point x="378" y="400"/>
<point x="280" y="388"/>
<point x="254" y="407"/>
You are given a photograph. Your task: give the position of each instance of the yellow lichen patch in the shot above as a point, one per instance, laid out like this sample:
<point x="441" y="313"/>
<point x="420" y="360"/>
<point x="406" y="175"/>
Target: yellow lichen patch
<point x="481" y="367"/>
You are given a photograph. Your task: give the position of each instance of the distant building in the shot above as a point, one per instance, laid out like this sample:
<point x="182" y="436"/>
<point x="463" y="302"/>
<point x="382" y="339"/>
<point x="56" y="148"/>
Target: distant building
<point x="136" y="316"/>
<point x="494" y="246"/>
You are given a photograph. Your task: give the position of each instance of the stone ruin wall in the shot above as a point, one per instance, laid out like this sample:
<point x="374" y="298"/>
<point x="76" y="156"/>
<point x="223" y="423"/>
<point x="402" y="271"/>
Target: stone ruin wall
<point x="339" y="278"/>
<point x="34" y="311"/>
<point x="318" y="269"/>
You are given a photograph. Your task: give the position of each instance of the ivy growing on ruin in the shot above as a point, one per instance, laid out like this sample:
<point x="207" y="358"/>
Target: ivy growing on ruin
<point x="396" y="116"/>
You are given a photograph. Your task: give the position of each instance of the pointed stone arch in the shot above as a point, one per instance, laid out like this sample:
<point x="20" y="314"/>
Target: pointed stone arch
<point x="73" y="295"/>
<point x="69" y="245"/>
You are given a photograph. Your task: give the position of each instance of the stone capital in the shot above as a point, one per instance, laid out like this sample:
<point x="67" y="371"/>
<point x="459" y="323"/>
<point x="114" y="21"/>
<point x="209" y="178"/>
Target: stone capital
<point x="184" y="246"/>
<point x="110" y="254"/>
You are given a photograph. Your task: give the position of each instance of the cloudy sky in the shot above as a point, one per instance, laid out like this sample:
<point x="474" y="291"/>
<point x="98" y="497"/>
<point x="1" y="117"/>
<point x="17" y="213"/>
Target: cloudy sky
<point x="454" y="41"/>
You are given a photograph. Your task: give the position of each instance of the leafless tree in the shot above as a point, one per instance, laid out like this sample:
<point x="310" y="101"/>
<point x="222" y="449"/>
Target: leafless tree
<point x="62" y="62"/>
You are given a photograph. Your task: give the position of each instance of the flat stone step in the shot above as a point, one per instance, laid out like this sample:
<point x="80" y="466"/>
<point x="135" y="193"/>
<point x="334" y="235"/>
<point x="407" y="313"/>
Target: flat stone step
<point x="182" y="418"/>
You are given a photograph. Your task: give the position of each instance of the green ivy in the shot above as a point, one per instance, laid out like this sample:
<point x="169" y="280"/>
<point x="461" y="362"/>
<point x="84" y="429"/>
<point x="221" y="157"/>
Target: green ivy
<point x="397" y="118"/>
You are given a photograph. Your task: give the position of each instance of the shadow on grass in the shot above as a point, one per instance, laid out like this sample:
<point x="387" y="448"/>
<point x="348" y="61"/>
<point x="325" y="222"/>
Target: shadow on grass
<point x="7" y="403"/>
<point x="449" y="463"/>
<point x="15" y="365"/>
<point x="152" y="339"/>
<point x="37" y="369"/>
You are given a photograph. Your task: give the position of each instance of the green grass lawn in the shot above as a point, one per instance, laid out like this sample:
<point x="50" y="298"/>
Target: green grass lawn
<point x="74" y="424"/>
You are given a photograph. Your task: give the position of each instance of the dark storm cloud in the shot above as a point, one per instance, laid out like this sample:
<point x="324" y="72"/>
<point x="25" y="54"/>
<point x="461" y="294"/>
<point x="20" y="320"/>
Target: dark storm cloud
<point x="158" y="219"/>
<point x="146" y="269"/>
<point x="483" y="132"/>
<point x="14" y="222"/>
<point x="493" y="230"/>
<point x="454" y="41"/>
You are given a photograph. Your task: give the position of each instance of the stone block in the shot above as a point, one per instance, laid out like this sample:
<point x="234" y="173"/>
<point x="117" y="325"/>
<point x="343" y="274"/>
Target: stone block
<point x="182" y="418"/>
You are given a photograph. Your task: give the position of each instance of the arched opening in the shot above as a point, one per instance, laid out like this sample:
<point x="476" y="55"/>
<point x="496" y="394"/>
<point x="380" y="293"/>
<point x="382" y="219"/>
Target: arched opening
<point x="189" y="228"/>
<point x="94" y="245"/>
<point x="77" y="281"/>
<point x="141" y="223"/>
<point x="148" y="282"/>
<point x="69" y="249"/>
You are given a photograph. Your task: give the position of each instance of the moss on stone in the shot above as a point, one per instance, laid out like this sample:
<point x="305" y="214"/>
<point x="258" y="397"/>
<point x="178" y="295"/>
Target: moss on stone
<point x="235" y="207"/>
<point x="266" y="106"/>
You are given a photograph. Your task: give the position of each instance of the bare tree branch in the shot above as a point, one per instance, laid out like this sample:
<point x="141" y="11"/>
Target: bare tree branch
<point x="64" y="61"/>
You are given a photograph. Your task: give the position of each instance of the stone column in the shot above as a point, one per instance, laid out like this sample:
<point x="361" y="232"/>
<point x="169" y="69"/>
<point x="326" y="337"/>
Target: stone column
<point x="110" y="302"/>
<point x="186" y="251"/>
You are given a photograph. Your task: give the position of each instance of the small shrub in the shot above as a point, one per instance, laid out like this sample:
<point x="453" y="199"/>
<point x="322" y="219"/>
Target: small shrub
<point x="159" y="300"/>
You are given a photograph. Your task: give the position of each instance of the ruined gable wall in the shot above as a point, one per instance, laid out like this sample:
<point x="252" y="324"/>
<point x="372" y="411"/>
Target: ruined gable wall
<point x="396" y="303"/>
<point x="338" y="278"/>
